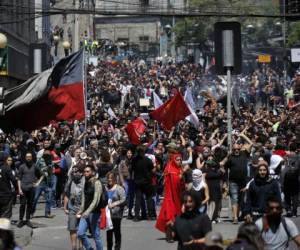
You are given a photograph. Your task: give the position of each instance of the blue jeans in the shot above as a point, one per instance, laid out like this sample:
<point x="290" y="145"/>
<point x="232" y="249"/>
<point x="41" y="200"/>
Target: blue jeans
<point x="53" y="187"/>
<point x="48" y="195"/>
<point x="92" y="221"/>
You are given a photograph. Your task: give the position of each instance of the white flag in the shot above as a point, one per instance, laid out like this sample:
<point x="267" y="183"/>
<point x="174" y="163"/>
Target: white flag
<point x="188" y="98"/>
<point x="112" y="113"/>
<point x="157" y="101"/>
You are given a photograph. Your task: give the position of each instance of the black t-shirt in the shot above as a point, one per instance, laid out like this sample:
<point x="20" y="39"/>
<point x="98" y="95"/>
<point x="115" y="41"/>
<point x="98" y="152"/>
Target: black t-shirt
<point x="238" y="168"/>
<point x="191" y="226"/>
<point x="142" y="170"/>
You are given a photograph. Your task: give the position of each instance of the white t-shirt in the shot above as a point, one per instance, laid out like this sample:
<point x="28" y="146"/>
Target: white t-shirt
<point x="279" y="239"/>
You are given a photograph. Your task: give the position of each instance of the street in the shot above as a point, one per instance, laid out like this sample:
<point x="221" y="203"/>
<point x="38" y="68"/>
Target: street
<point x="52" y="233"/>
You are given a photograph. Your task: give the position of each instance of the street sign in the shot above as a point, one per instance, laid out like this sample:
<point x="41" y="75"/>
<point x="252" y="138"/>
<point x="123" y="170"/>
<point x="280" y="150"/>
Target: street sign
<point x="3" y="62"/>
<point x="295" y="55"/>
<point x="264" y="58"/>
<point x="228" y="48"/>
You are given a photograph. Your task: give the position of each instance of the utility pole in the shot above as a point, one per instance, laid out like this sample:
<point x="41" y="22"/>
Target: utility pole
<point x="76" y="29"/>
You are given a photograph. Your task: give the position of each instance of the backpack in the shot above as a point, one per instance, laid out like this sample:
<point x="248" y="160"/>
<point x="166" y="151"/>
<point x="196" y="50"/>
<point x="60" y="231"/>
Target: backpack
<point x="283" y="221"/>
<point x="292" y="171"/>
<point x="104" y="197"/>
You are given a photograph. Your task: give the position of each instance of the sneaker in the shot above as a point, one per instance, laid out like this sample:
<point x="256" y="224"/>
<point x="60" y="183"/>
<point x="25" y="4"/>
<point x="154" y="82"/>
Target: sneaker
<point x="235" y="221"/>
<point x="29" y="224"/>
<point x="20" y="224"/>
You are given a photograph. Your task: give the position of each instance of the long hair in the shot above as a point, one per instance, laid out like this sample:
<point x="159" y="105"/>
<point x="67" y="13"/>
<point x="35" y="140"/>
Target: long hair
<point x="251" y="233"/>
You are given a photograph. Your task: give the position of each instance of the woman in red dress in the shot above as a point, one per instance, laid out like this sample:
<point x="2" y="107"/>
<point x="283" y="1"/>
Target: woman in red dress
<point x="174" y="186"/>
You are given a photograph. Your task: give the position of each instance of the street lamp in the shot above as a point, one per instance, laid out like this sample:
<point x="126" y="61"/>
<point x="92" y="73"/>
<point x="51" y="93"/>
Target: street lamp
<point x="66" y="45"/>
<point x="3" y="41"/>
<point x="168" y="29"/>
<point x="56" y="40"/>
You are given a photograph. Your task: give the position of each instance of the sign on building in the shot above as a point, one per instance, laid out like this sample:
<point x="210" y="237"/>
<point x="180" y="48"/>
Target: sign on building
<point x="264" y="58"/>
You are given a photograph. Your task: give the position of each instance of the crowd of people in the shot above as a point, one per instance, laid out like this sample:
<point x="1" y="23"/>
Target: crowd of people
<point x="179" y="178"/>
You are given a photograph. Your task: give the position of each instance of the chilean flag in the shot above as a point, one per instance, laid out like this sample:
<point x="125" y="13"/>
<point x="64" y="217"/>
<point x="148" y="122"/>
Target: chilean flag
<point x="56" y="94"/>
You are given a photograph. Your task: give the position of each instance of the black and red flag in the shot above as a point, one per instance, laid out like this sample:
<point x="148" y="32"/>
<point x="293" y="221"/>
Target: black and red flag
<point x="56" y="94"/>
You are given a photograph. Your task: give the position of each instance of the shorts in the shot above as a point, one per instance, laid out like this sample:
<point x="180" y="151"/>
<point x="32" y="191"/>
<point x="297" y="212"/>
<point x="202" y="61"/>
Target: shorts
<point x="235" y="193"/>
<point x="73" y="222"/>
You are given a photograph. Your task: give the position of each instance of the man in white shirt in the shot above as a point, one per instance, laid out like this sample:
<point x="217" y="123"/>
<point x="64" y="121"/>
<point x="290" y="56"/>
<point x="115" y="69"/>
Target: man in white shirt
<point x="276" y="230"/>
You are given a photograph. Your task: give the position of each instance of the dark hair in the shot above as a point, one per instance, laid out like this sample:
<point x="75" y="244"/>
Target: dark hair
<point x="140" y="151"/>
<point x="251" y="233"/>
<point x="293" y="147"/>
<point x="91" y="166"/>
<point x="194" y="197"/>
<point x="105" y="156"/>
<point x="274" y="199"/>
<point x="7" y="240"/>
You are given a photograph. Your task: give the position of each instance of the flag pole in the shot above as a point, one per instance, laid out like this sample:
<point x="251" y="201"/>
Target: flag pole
<point x="84" y="68"/>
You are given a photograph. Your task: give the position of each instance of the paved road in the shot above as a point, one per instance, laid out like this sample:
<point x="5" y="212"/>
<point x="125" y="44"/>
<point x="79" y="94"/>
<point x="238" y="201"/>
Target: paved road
<point x="52" y="234"/>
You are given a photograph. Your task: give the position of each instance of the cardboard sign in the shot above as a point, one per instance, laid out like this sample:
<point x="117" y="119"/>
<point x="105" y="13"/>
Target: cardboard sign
<point x="144" y="102"/>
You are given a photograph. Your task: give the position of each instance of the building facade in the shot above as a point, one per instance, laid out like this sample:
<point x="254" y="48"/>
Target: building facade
<point x="145" y="33"/>
<point x="18" y="25"/>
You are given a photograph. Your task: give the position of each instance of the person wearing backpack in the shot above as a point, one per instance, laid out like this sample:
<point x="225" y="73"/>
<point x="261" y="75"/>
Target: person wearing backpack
<point x="116" y="202"/>
<point x="275" y="229"/>
<point x="291" y="183"/>
<point x="90" y="210"/>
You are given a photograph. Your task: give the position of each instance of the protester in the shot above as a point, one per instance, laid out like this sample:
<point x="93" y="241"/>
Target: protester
<point x="142" y="170"/>
<point x="173" y="189"/>
<point x="237" y="164"/>
<point x="7" y="179"/>
<point x="45" y="183"/>
<point x="27" y="179"/>
<point x="260" y="189"/>
<point x="275" y="229"/>
<point x="72" y="202"/>
<point x="90" y="210"/>
<point x="200" y="189"/>
<point x="116" y="202"/>
<point x="191" y="226"/>
<point x="291" y="181"/>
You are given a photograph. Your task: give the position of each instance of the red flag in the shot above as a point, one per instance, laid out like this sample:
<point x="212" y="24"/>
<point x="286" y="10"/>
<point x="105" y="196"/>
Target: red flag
<point x="135" y="129"/>
<point x="171" y="112"/>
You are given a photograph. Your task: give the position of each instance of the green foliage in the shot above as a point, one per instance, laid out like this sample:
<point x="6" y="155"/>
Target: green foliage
<point x="200" y="29"/>
<point x="294" y="35"/>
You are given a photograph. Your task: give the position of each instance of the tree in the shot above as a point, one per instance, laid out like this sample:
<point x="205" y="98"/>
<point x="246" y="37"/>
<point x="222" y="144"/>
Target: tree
<point x="294" y="35"/>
